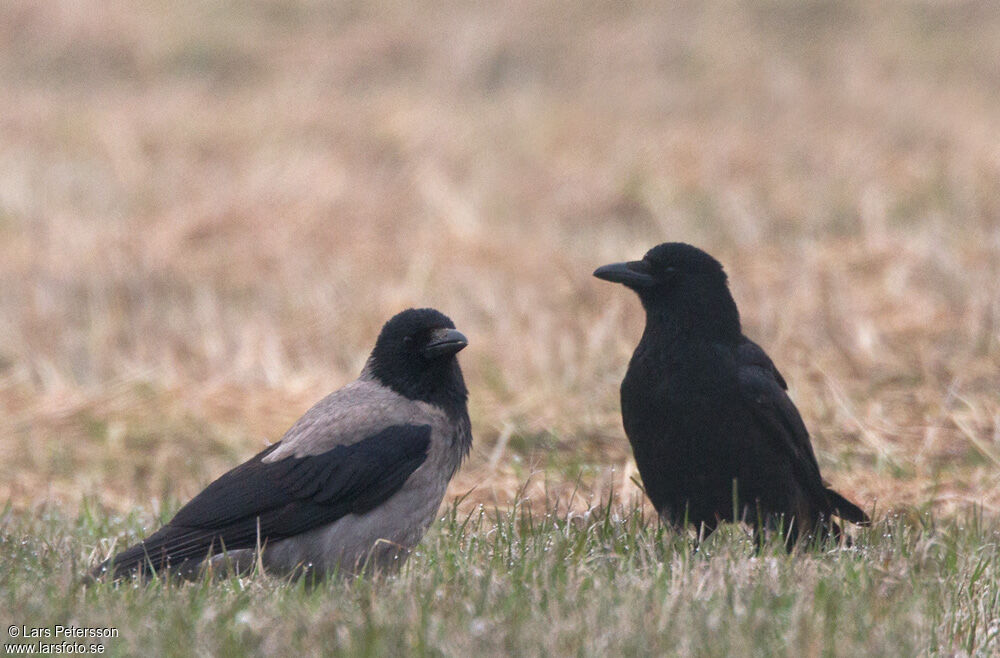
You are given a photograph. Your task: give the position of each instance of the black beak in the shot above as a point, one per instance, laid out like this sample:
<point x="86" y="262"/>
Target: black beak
<point x="444" y="342"/>
<point x="634" y="274"/>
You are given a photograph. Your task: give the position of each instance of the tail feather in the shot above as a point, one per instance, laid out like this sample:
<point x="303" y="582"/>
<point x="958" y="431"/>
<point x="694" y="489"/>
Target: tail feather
<point x="148" y="556"/>
<point x="140" y="559"/>
<point x="847" y="510"/>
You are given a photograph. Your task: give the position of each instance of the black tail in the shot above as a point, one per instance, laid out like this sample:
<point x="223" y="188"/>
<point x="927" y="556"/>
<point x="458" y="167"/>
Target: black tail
<point x="845" y="509"/>
<point x="156" y="552"/>
<point x="141" y="559"/>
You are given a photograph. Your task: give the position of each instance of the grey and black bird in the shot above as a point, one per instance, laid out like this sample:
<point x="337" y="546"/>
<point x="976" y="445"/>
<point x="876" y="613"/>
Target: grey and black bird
<point x="354" y="483"/>
<point x="713" y="430"/>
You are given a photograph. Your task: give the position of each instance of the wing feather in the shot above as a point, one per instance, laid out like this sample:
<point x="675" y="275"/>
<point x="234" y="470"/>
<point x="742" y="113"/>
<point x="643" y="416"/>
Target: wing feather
<point x="268" y="501"/>
<point x="764" y="391"/>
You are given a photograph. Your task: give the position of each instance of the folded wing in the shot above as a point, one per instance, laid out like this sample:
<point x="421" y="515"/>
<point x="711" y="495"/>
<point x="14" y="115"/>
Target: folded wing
<point x="260" y="502"/>
<point x="763" y="390"/>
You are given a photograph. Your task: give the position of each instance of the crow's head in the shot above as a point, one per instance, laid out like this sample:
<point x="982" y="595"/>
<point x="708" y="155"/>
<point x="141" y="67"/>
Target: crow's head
<point x="415" y="356"/>
<point x="663" y="267"/>
<point x="679" y="283"/>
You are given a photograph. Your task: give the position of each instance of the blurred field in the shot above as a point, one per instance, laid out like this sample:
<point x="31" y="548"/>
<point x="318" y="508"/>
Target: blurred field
<point x="207" y="210"/>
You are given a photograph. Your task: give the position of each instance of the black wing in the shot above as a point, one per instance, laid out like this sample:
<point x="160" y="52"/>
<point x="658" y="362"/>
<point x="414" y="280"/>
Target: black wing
<point x="262" y="502"/>
<point x="763" y="388"/>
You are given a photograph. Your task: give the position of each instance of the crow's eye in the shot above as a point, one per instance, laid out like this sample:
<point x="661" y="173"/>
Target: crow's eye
<point x="408" y="341"/>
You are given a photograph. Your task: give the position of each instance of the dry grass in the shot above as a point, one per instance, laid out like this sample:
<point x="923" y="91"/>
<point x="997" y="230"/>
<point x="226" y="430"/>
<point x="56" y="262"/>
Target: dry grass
<point x="207" y="211"/>
<point x="605" y="583"/>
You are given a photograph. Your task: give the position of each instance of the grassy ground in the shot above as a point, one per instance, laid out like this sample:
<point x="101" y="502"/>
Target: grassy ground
<point x="207" y="210"/>
<point x="606" y="582"/>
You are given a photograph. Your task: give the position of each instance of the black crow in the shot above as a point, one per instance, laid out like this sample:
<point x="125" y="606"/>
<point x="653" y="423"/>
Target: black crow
<point x="356" y="481"/>
<point x="713" y="431"/>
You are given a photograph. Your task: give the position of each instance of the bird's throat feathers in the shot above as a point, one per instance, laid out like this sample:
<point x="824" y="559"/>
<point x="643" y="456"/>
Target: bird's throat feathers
<point x="441" y="384"/>
<point x="692" y="312"/>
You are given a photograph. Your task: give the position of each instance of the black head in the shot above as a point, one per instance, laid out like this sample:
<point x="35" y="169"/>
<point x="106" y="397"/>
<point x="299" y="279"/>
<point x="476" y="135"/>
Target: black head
<point x="415" y="356"/>
<point x="682" y="284"/>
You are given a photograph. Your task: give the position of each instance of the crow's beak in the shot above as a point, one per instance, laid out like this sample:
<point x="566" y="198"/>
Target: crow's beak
<point x="634" y="274"/>
<point x="444" y="342"/>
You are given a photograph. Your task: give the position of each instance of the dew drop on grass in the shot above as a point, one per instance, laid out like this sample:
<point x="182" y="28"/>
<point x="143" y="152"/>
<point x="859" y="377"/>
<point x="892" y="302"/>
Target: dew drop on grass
<point x="477" y="627"/>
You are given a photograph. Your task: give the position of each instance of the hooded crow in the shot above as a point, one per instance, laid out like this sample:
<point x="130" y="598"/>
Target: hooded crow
<point x="356" y="481"/>
<point x="712" y="428"/>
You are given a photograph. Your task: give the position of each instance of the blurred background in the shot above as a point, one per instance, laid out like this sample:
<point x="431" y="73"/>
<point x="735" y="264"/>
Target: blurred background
<point x="208" y="209"/>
